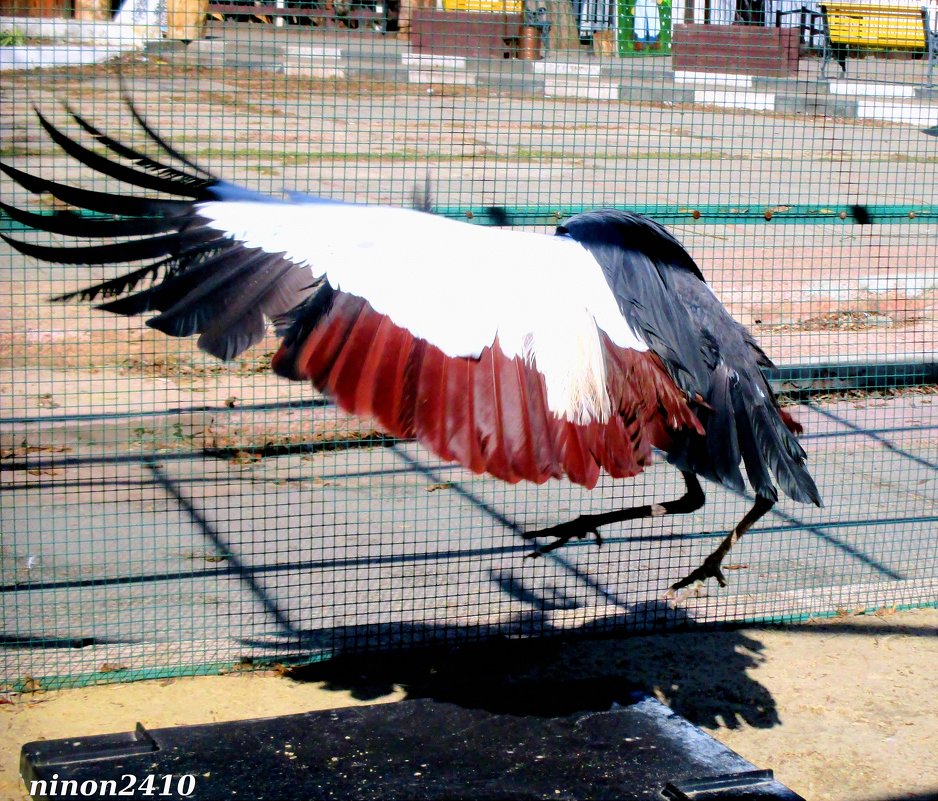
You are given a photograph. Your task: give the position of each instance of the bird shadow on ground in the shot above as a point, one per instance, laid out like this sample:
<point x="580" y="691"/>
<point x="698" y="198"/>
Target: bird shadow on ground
<point x="702" y="675"/>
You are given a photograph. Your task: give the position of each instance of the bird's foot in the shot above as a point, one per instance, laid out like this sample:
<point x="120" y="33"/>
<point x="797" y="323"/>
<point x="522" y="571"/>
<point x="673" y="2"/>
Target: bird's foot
<point x="564" y="532"/>
<point x="690" y="586"/>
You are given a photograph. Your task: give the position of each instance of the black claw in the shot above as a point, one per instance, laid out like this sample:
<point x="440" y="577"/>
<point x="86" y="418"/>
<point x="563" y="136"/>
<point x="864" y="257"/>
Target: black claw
<point x="563" y="533"/>
<point x="709" y="569"/>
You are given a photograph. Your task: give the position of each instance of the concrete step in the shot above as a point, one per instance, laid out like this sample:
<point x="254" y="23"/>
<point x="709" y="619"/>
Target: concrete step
<point x="706" y="79"/>
<point x="580" y="87"/>
<point x="563" y="68"/>
<point x="729" y="98"/>
<point x="444" y="77"/>
<point x="921" y="115"/>
<point x="871" y="90"/>
<point x="308" y="61"/>
<point x="423" y="61"/>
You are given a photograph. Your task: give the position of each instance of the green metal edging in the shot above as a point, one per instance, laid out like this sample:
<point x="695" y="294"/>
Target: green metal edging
<point x="123" y="675"/>
<point x="737" y="214"/>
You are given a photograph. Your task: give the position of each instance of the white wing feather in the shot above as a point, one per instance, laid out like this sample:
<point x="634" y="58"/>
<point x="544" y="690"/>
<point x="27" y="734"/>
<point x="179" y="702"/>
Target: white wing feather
<point x="457" y="285"/>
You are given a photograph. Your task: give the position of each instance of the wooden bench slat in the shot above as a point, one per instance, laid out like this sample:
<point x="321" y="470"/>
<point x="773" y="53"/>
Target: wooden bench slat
<point x="875" y="26"/>
<point x="871" y="26"/>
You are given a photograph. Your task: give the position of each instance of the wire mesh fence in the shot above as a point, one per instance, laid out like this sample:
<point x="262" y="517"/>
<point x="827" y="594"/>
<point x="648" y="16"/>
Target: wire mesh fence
<point x="165" y="513"/>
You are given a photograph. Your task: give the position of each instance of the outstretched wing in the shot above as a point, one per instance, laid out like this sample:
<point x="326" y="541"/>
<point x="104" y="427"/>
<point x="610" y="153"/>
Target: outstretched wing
<point x="505" y="351"/>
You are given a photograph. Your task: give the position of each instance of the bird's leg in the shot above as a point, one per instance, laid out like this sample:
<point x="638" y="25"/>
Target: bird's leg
<point x="711" y="565"/>
<point x="690" y="501"/>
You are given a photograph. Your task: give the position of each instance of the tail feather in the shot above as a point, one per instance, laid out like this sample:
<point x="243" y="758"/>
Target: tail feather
<point x="722" y="440"/>
<point x="785" y="457"/>
<point x="767" y="445"/>
<point x="744" y="424"/>
<point x="753" y="446"/>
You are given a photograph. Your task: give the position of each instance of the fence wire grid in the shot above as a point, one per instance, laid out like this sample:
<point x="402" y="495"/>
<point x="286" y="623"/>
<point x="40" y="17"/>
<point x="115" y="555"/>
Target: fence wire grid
<point x="164" y="513"/>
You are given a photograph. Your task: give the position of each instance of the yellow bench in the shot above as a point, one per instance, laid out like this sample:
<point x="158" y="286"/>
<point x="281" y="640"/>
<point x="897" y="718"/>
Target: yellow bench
<point x="876" y="27"/>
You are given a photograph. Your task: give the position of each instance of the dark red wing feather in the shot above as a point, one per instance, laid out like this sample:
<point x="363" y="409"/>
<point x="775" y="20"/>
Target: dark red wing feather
<point x="488" y="413"/>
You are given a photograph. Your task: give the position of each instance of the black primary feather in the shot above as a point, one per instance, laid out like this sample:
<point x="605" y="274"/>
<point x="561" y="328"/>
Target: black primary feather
<point x="115" y="286"/>
<point x="101" y="202"/>
<point x="201" y="284"/>
<point x="68" y="223"/>
<point x="115" y="253"/>
<point x="112" y="169"/>
<point x="140" y="159"/>
<point x="199" y="279"/>
<point x="159" y="140"/>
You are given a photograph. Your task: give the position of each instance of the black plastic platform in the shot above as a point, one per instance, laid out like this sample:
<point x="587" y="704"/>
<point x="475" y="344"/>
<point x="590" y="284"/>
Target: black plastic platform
<point x="420" y="749"/>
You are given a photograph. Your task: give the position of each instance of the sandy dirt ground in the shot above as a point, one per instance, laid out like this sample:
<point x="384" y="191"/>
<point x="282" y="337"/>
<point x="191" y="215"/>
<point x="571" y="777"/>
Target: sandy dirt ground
<point x="842" y="710"/>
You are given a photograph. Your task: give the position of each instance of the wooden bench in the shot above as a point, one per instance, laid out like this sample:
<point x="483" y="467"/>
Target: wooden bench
<point x="876" y="27"/>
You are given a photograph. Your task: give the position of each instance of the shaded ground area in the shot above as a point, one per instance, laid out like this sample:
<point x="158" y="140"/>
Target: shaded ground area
<point x="841" y="709"/>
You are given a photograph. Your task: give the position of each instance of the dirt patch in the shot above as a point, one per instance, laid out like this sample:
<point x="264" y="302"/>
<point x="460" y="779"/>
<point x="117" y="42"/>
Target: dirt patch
<point x="841" y="710"/>
<point x="841" y="321"/>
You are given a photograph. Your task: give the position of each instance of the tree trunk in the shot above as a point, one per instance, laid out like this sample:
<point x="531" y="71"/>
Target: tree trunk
<point x="92" y="10"/>
<point x="564" y="34"/>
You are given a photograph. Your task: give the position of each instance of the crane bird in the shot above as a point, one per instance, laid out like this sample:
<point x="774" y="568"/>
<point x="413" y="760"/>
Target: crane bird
<point x="522" y="355"/>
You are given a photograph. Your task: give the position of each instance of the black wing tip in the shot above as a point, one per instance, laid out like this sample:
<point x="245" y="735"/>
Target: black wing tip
<point x="21" y="247"/>
<point x="157" y="139"/>
<point x="67" y="297"/>
<point x="807" y="485"/>
<point x="24" y="179"/>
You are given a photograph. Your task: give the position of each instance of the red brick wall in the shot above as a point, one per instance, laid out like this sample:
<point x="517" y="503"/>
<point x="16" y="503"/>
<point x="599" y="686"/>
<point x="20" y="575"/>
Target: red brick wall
<point x="739" y="49"/>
